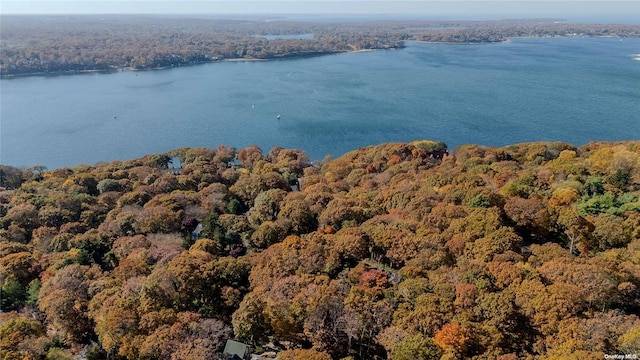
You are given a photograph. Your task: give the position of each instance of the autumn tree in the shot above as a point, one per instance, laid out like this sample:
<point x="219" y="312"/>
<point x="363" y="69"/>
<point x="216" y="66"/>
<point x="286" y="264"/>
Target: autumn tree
<point x="20" y="337"/>
<point x="249" y="156"/>
<point x="452" y="338"/>
<point x="576" y="228"/>
<point x="307" y="354"/>
<point x="297" y="215"/>
<point x="64" y="299"/>
<point x="531" y="216"/>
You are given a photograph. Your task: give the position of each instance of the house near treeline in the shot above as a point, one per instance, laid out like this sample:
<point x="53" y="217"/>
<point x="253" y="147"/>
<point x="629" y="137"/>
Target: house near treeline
<point x="195" y="234"/>
<point x="294" y="184"/>
<point x="235" y="350"/>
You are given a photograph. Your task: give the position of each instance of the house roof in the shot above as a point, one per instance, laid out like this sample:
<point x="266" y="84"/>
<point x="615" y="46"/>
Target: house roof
<point x="234" y="348"/>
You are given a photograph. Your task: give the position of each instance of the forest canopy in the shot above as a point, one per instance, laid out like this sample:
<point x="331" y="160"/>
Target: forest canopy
<point x="396" y="251"/>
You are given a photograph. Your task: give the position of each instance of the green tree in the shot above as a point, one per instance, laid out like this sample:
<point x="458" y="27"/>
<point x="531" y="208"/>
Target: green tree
<point x="235" y="207"/>
<point x="266" y="206"/>
<point x="160" y="161"/>
<point x="415" y="347"/>
<point x="267" y="234"/>
<point x="611" y="231"/>
<point x="14" y="295"/>
<point x="250" y="321"/>
<point x="108" y="185"/>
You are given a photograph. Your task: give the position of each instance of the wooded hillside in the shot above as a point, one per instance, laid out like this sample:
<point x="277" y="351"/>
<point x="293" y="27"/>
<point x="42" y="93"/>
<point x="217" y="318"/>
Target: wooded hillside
<point x="396" y="251"/>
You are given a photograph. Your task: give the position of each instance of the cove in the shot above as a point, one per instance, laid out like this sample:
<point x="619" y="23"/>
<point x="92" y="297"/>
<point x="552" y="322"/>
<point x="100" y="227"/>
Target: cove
<point x="574" y="90"/>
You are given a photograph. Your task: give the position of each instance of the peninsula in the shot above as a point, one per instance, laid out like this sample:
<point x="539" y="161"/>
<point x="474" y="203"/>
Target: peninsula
<point x="69" y="44"/>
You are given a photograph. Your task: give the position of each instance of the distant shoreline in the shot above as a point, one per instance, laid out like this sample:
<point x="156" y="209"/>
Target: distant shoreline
<point x="123" y="69"/>
<point x="85" y="44"/>
<point x="457" y="43"/>
<point x="289" y="56"/>
<point x="509" y="39"/>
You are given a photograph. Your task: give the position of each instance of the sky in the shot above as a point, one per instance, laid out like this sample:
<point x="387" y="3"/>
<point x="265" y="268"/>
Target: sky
<point x="479" y="8"/>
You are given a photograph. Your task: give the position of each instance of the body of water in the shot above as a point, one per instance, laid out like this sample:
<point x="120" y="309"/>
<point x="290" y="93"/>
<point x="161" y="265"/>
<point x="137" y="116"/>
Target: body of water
<point x="572" y="90"/>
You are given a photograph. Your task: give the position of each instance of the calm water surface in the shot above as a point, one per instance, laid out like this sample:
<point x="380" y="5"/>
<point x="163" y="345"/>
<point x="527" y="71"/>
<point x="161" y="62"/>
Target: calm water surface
<point x="573" y="90"/>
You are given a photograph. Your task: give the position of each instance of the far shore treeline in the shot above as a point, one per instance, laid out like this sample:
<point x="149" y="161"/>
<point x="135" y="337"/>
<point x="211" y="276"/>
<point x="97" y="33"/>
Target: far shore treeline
<point x="79" y="43"/>
<point x="397" y="251"/>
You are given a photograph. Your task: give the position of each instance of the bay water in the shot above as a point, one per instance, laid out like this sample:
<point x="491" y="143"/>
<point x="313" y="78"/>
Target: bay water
<point x="573" y="89"/>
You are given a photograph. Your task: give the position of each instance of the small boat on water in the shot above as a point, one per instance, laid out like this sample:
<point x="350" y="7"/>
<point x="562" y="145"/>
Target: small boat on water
<point x="278" y="116"/>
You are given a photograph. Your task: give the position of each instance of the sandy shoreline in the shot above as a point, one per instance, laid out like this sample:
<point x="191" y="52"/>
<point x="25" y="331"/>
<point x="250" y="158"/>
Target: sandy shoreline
<point x="238" y="60"/>
<point x="362" y="51"/>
